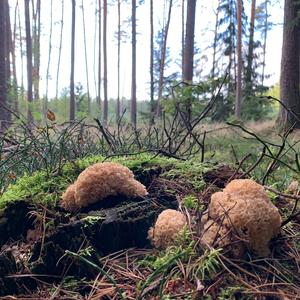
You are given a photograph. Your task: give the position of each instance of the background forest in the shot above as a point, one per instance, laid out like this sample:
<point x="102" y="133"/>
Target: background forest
<point x="45" y="45"/>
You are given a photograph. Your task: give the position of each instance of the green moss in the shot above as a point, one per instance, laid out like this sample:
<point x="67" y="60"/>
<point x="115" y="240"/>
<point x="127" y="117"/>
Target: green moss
<point x="91" y="220"/>
<point x="47" y="188"/>
<point x="40" y="187"/>
<point x="190" y="173"/>
<point x="190" y="202"/>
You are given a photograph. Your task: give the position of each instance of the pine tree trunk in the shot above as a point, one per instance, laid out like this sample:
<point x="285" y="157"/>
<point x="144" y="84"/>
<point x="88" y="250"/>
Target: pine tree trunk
<point x="152" y="105"/>
<point x="21" y="55"/>
<point x="9" y="53"/>
<point x="133" y="66"/>
<point x="3" y="68"/>
<point x="105" y="102"/>
<point x="188" y="57"/>
<point x="238" y="96"/>
<point x="45" y="103"/>
<point x="213" y="71"/>
<point x="182" y="36"/>
<point x="60" y="46"/>
<point x="99" y="55"/>
<point x="289" y="77"/>
<point x="14" y="69"/>
<point x="162" y="61"/>
<point x="36" y="50"/>
<point x="86" y="61"/>
<point x="118" y="107"/>
<point x="266" y="26"/>
<point x="29" y="60"/>
<point x="72" y="85"/>
<point x="248" y="75"/>
<point x="189" y="41"/>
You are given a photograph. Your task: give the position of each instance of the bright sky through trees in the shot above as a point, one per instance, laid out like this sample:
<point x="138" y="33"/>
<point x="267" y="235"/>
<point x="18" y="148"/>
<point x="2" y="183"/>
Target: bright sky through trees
<point x="203" y="38"/>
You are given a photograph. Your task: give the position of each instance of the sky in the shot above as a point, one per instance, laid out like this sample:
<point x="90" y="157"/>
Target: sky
<point x="203" y="37"/>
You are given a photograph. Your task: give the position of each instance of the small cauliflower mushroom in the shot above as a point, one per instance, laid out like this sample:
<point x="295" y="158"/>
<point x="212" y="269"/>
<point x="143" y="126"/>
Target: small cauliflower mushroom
<point x="166" y="228"/>
<point x="241" y="216"/>
<point x="100" y="181"/>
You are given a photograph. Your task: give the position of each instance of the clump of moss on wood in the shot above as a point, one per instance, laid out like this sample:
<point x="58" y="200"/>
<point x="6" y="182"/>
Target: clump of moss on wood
<point x="189" y="173"/>
<point x="47" y="188"/>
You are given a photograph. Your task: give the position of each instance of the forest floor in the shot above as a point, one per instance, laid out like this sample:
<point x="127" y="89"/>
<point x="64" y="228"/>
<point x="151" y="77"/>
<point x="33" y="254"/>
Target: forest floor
<point x="48" y="253"/>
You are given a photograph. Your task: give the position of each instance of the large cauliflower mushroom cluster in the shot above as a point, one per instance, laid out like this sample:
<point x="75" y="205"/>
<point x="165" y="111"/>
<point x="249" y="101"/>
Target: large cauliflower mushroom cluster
<point x="167" y="226"/>
<point x="100" y="181"/>
<point x="242" y="216"/>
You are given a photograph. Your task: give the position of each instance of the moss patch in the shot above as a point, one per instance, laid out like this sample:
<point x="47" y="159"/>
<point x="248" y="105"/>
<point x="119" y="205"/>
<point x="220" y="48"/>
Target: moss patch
<point x="46" y="188"/>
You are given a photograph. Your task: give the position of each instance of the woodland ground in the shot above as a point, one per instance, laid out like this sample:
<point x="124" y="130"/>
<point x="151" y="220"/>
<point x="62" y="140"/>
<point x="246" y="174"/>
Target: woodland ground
<point x="186" y="271"/>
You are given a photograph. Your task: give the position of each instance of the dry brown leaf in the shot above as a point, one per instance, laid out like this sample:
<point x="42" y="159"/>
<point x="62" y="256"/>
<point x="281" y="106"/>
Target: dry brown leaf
<point x="51" y="116"/>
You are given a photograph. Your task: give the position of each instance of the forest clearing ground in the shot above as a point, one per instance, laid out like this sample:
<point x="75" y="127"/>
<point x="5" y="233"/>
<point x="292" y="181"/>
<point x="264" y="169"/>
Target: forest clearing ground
<point x="186" y="271"/>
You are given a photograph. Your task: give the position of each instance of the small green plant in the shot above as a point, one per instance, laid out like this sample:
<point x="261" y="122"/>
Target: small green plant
<point x="230" y="293"/>
<point x="184" y="247"/>
<point x="190" y="202"/>
<point x="208" y="263"/>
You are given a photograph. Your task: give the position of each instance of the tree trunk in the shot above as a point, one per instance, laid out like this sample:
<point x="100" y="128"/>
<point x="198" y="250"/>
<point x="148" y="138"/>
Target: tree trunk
<point x="189" y="41"/>
<point x="45" y="103"/>
<point x="9" y="51"/>
<point x="3" y="68"/>
<point x="60" y="46"/>
<point x="86" y="61"/>
<point x="21" y="55"/>
<point x="289" y="77"/>
<point x="72" y="85"/>
<point x="118" y="108"/>
<point x="213" y="71"/>
<point x="162" y="60"/>
<point x="248" y="75"/>
<point x="152" y="104"/>
<point x="99" y="55"/>
<point x="105" y="102"/>
<point x="133" y="66"/>
<point x="188" y="57"/>
<point x="14" y="68"/>
<point x="238" y="96"/>
<point x="29" y="60"/>
<point x="265" y="42"/>
<point x="182" y="35"/>
<point x="36" y="50"/>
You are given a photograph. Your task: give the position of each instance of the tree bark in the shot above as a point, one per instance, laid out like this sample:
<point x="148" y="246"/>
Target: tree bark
<point x="248" y="75"/>
<point x="213" y="71"/>
<point x="14" y="68"/>
<point x="99" y="55"/>
<point x="36" y="50"/>
<point x="3" y="67"/>
<point x="189" y="41"/>
<point x="238" y="96"/>
<point x="45" y="102"/>
<point x="289" y="76"/>
<point x="86" y="61"/>
<point x="152" y="105"/>
<point x="72" y="85"/>
<point x="162" y="60"/>
<point x="21" y="55"/>
<point x="266" y="27"/>
<point x="60" y="46"/>
<point x="182" y="36"/>
<point x="29" y="60"/>
<point x="105" y="102"/>
<point x="133" y="65"/>
<point x="118" y="107"/>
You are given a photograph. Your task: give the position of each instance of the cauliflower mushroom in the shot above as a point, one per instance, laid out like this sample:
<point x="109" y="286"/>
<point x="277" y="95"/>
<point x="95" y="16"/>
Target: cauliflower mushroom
<point x="166" y="228"/>
<point x="100" y="181"/>
<point x="241" y="216"/>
